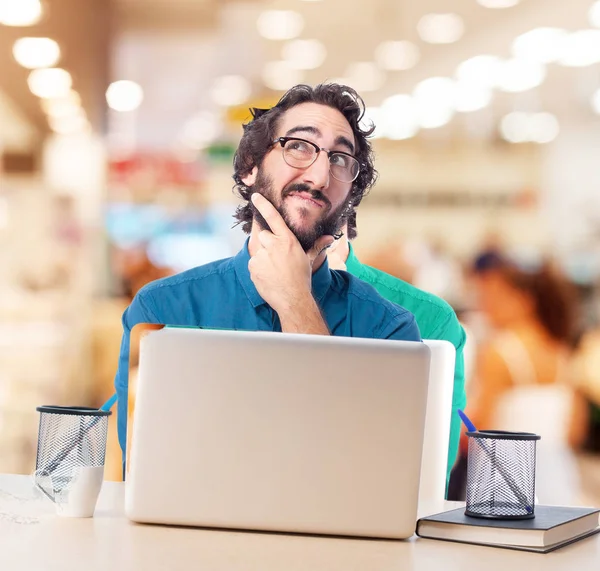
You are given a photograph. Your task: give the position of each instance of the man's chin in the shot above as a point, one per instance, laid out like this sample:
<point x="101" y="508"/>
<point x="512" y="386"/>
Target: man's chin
<point x="307" y="239"/>
<point x="302" y="226"/>
<point x="300" y="216"/>
<point x="306" y="229"/>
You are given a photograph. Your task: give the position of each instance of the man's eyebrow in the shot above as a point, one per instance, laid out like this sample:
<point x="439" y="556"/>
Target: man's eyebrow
<point x="341" y="140"/>
<point x="305" y="129"/>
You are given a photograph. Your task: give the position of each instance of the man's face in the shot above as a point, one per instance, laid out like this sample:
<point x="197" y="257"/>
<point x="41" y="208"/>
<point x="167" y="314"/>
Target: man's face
<point x="310" y="200"/>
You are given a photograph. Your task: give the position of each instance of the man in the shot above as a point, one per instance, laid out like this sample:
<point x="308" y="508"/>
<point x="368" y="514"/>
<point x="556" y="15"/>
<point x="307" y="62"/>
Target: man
<point x="301" y="168"/>
<point x="435" y="318"/>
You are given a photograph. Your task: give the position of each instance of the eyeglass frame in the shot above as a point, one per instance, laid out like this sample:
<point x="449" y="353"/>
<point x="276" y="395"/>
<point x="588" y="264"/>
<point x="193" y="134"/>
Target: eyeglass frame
<point x="283" y="140"/>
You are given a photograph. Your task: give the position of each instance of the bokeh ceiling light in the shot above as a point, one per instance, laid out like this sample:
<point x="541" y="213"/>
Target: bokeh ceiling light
<point x="498" y="4"/>
<point x="69" y="125"/>
<point x="471" y="98"/>
<point x="124" y="95"/>
<point x="596" y="102"/>
<point x="201" y="130"/>
<point x="513" y="127"/>
<point x="280" y="75"/>
<point x="280" y="24"/>
<point x="34" y="53"/>
<point x="364" y="76"/>
<point x="62" y="107"/>
<point x="304" y="54"/>
<point x="580" y="49"/>
<point x="50" y="82"/>
<point x="542" y="128"/>
<point x="398" y="117"/>
<point x="594" y="14"/>
<point x="434" y="117"/>
<point x="435" y="102"/>
<point x="481" y="70"/>
<point x="519" y="127"/>
<point x="436" y="92"/>
<point x="397" y="55"/>
<point x="516" y="75"/>
<point x="441" y="28"/>
<point x="72" y="99"/>
<point x="541" y="45"/>
<point x="230" y="90"/>
<point x="20" y="12"/>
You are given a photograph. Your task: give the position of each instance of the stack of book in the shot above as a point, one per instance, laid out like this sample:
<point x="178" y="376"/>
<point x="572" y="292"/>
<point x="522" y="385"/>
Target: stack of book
<point x="551" y="528"/>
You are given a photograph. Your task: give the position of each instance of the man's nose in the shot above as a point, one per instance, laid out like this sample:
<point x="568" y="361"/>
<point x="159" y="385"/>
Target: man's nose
<point x="317" y="175"/>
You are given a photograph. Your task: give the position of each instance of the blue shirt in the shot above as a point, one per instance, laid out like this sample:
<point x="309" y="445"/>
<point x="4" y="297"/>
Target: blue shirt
<point x="222" y="295"/>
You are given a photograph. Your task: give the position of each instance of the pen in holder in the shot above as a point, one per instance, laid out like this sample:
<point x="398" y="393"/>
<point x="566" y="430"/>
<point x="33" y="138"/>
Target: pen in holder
<point x="501" y="474"/>
<point x="70" y="457"/>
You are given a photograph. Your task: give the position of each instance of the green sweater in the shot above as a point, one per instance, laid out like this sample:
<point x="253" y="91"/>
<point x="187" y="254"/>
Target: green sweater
<point x="436" y="320"/>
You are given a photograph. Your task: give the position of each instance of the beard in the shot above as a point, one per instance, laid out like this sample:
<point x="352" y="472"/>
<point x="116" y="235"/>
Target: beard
<point x="329" y="223"/>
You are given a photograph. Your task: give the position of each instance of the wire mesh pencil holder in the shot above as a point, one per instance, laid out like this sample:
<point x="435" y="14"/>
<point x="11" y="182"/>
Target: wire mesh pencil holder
<point x="501" y="474"/>
<point x="68" y="438"/>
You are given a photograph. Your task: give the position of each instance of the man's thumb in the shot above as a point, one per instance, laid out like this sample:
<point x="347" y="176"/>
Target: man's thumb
<point x="320" y="246"/>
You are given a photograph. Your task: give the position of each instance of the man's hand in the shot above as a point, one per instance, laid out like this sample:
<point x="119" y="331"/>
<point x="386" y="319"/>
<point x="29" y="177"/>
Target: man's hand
<point x="335" y="261"/>
<point x="281" y="270"/>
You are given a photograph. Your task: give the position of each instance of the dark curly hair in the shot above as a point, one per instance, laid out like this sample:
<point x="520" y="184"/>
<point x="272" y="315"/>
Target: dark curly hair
<point x="261" y="131"/>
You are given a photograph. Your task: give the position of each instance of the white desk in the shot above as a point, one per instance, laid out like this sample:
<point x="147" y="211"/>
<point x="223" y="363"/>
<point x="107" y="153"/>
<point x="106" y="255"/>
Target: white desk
<point x="33" y="538"/>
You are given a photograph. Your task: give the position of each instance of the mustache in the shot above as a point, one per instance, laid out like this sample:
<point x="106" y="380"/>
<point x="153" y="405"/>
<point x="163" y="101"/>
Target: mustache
<point x="314" y="193"/>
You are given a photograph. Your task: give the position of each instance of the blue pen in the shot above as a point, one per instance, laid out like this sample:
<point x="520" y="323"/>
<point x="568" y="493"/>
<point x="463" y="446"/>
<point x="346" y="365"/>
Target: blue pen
<point x="470" y="426"/>
<point x="109" y="403"/>
<point x="507" y="477"/>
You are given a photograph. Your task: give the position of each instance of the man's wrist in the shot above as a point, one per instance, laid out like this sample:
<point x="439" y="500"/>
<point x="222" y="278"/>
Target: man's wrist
<point x="296" y="303"/>
<point x="302" y="315"/>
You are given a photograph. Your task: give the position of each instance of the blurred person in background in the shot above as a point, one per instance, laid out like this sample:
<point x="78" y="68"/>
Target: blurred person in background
<point x="587" y="376"/>
<point x="135" y="269"/>
<point x="523" y="375"/>
<point x="435" y="317"/>
<point x="301" y="169"/>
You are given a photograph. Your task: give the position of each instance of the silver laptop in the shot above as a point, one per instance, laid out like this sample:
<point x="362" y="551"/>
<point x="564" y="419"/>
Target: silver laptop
<point x="278" y="432"/>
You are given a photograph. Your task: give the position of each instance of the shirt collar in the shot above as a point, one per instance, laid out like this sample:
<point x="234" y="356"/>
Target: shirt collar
<point x="353" y="265"/>
<point x="321" y="279"/>
<point x="243" y="275"/>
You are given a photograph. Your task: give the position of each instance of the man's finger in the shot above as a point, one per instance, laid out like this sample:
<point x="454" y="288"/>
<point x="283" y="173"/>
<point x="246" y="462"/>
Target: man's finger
<point x="335" y="260"/>
<point x="270" y="214"/>
<point x="320" y="245"/>
<point x="266" y="238"/>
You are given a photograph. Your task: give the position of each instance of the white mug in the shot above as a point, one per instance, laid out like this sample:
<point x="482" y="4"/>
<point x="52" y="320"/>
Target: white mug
<point x="79" y="497"/>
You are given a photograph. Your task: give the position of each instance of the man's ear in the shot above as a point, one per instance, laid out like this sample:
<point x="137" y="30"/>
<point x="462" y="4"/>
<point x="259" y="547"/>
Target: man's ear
<point x="250" y="178"/>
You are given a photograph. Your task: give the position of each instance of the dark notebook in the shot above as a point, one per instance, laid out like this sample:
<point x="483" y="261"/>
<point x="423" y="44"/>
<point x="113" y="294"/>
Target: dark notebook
<point x="551" y="528"/>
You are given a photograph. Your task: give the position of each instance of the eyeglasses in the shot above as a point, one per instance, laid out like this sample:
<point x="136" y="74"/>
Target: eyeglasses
<point x="300" y="154"/>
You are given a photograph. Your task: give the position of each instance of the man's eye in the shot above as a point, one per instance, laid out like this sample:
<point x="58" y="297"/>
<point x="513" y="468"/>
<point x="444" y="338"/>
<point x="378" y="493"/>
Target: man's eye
<point x="299" y="146"/>
<point x="339" y="160"/>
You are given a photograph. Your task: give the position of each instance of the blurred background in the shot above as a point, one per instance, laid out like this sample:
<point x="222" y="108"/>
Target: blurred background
<point x="118" y="124"/>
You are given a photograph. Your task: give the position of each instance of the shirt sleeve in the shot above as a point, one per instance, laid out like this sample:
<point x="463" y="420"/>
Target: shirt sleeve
<point x="137" y="312"/>
<point x="451" y="330"/>
<point x="402" y="328"/>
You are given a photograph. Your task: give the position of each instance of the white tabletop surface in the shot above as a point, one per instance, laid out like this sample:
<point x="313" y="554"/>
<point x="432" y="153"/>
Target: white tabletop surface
<point x="32" y="537"/>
